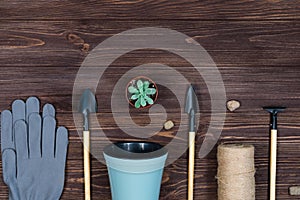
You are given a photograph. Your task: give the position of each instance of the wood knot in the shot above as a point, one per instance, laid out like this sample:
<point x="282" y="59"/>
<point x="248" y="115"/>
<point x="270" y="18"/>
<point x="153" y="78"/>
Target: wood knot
<point x="75" y="39"/>
<point x="165" y="178"/>
<point x="85" y="48"/>
<point x="78" y="41"/>
<point x="19" y="42"/>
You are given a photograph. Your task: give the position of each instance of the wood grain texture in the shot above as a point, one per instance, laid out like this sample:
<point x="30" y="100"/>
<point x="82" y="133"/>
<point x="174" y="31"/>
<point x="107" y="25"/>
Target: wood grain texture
<point x="149" y="9"/>
<point x="255" y="45"/>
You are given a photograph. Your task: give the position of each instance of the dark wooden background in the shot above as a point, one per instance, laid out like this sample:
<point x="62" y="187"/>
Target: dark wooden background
<point x="255" y="45"/>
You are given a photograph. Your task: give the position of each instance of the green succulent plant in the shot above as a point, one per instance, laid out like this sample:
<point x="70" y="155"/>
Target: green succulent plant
<point x="141" y="93"/>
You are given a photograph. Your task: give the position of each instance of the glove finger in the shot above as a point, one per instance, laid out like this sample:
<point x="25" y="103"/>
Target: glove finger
<point x="6" y="130"/>
<point x="32" y="106"/>
<point x="48" y="137"/>
<point x="10" y="172"/>
<point x="9" y="166"/>
<point x="21" y="142"/>
<point x="61" y="143"/>
<point x="35" y="129"/>
<point x="48" y="109"/>
<point x="18" y="110"/>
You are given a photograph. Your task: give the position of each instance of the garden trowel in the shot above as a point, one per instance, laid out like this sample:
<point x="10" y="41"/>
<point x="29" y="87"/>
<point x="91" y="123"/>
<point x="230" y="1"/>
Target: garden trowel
<point x="87" y="105"/>
<point x="191" y="109"/>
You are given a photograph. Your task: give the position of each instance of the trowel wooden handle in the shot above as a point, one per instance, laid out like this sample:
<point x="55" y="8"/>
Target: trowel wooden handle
<point x="86" y="157"/>
<point x="273" y="152"/>
<point x="191" y="165"/>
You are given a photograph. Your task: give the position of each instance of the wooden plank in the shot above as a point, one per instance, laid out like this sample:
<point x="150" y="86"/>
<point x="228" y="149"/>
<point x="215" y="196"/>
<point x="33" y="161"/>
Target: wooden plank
<point x="174" y="180"/>
<point x="240" y="83"/>
<point x="258" y="60"/>
<point x="230" y="43"/>
<point x="153" y="10"/>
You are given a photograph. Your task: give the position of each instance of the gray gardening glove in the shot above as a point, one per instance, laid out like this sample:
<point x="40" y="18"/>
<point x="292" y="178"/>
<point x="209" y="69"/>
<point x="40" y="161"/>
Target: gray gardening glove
<point x="33" y="151"/>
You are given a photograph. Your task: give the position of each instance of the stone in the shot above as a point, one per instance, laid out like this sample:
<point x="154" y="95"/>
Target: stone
<point x="294" y="190"/>
<point x="168" y="125"/>
<point x="232" y="105"/>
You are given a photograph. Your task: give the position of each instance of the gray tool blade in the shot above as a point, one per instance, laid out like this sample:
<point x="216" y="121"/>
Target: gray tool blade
<point x="87" y="105"/>
<point x="191" y="105"/>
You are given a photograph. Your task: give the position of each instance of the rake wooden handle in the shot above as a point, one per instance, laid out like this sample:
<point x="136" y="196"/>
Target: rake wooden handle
<point x="273" y="152"/>
<point x="86" y="158"/>
<point x="191" y="165"/>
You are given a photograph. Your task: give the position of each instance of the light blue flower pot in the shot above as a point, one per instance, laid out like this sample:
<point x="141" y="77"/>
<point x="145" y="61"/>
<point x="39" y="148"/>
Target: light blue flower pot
<point x="135" y="170"/>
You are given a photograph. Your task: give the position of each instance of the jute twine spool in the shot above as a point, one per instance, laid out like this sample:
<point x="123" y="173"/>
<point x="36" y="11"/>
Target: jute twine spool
<point x="236" y="172"/>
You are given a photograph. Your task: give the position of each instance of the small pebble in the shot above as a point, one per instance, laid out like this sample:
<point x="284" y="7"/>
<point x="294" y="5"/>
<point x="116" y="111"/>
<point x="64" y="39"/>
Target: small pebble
<point x="232" y="105"/>
<point x="294" y="190"/>
<point x="168" y="125"/>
